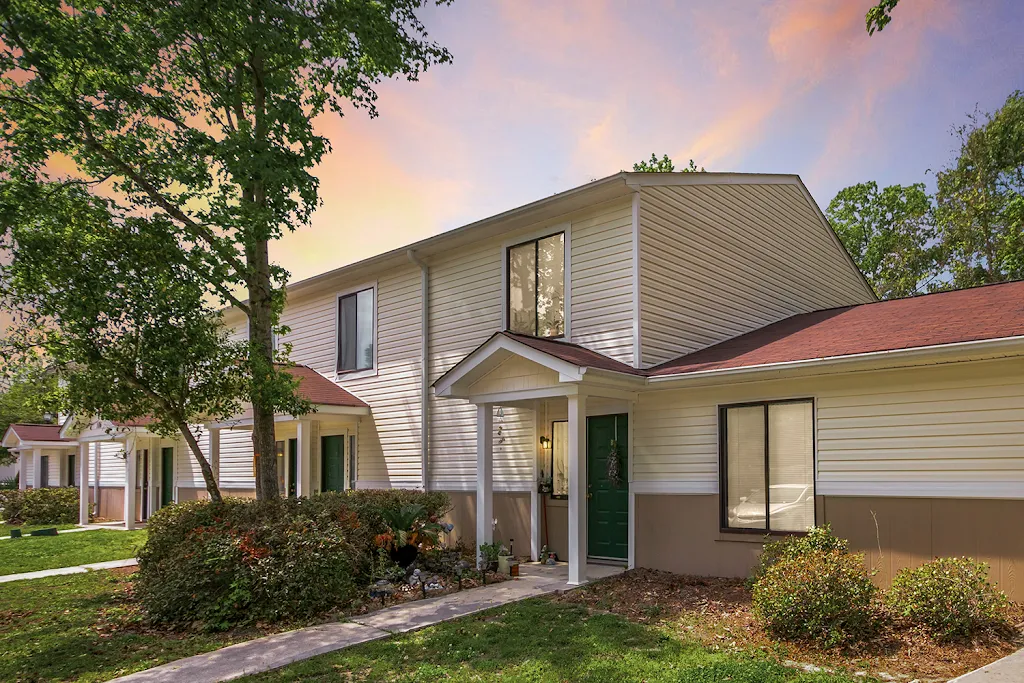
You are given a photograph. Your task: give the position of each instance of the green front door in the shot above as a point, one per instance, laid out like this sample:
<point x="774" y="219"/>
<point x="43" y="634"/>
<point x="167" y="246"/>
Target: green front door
<point x="608" y="504"/>
<point x="166" y="476"/>
<point x="332" y="463"/>
<point x="293" y="461"/>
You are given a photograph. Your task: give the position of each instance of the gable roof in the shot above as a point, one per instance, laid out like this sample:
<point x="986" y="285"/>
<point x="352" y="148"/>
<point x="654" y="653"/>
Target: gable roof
<point x="319" y="390"/>
<point x="37" y="432"/>
<point x="981" y="313"/>
<point x="574" y="353"/>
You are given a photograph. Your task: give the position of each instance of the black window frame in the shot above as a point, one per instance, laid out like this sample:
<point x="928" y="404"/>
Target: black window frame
<point x="339" y="351"/>
<point x="723" y="467"/>
<point x="536" y="285"/>
<point x="556" y="496"/>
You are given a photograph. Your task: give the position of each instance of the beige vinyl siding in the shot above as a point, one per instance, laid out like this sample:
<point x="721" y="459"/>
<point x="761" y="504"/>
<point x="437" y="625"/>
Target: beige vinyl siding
<point x="955" y="430"/>
<point x="515" y="374"/>
<point x="29" y="469"/>
<point x="602" y="281"/>
<point x="235" y="459"/>
<point x="53" y="467"/>
<point x="720" y="260"/>
<point x="187" y="472"/>
<point x="112" y="463"/>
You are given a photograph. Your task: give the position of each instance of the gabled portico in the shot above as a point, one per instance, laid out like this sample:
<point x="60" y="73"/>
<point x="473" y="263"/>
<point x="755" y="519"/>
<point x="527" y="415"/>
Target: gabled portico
<point x="511" y="370"/>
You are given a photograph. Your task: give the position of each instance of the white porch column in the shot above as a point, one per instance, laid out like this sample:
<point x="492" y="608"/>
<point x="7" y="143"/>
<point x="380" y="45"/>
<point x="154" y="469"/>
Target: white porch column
<point x="152" y="499"/>
<point x="535" y="496"/>
<point x="577" y="489"/>
<point x="96" y="469"/>
<point x="131" y="471"/>
<point x="22" y="470"/>
<point x="82" y="461"/>
<point x="304" y="433"/>
<point x="484" y="479"/>
<point x="214" y="454"/>
<point x="37" y="468"/>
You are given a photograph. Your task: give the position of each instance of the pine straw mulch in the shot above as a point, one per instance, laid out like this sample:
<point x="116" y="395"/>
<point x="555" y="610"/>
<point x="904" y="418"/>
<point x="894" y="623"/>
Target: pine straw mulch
<point x="717" y="613"/>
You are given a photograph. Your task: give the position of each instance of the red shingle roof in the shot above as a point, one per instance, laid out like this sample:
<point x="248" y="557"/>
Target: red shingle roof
<point x="319" y="390"/>
<point x="574" y="353"/>
<point x="989" y="312"/>
<point x="37" y="432"/>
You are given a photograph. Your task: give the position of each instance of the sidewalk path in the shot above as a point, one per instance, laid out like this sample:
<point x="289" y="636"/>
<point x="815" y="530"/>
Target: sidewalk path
<point x="80" y="569"/>
<point x="1009" y="669"/>
<point x="272" y="652"/>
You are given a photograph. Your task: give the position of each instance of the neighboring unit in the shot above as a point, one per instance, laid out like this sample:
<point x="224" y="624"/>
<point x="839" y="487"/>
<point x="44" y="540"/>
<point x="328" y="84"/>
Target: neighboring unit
<point x="688" y="362"/>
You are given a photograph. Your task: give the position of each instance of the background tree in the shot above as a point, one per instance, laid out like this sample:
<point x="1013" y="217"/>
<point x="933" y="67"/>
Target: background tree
<point x="663" y="165"/>
<point x="889" y="235"/>
<point x="199" y="116"/>
<point x="130" y="334"/>
<point x="26" y="397"/>
<point x="879" y="16"/>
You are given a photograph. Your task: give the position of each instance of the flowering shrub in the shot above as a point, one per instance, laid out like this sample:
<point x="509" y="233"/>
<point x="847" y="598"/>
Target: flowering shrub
<point x="40" y="506"/>
<point x="950" y="596"/>
<point x="215" y="566"/>
<point x="825" y="596"/>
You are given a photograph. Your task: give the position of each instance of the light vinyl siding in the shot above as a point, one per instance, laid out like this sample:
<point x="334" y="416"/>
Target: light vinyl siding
<point x="235" y="459"/>
<point x="945" y="430"/>
<point x="718" y="261"/>
<point x="29" y="469"/>
<point x="112" y="463"/>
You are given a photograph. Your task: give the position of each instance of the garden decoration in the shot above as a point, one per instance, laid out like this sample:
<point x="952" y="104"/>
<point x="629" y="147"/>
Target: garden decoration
<point x="504" y="557"/>
<point x="614" y="465"/>
<point x="381" y="590"/>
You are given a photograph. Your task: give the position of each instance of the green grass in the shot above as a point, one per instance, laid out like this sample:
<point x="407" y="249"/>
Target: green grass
<point x="34" y="553"/>
<point x="5" y="529"/>
<point x="81" y="628"/>
<point x="539" y="640"/>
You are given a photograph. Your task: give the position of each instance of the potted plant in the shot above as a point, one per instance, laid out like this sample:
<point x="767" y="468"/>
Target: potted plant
<point x="504" y="557"/>
<point x="489" y="554"/>
<point x="408" y="532"/>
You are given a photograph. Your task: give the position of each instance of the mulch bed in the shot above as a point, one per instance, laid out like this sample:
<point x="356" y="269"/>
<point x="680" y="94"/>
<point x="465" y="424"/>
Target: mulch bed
<point x="717" y="613"/>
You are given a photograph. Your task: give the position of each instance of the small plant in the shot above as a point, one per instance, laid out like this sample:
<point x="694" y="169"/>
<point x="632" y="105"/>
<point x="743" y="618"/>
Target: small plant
<point x="824" y="596"/>
<point x="410" y="530"/>
<point x="817" y="538"/>
<point x="490" y="551"/>
<point x="950" y="596"/>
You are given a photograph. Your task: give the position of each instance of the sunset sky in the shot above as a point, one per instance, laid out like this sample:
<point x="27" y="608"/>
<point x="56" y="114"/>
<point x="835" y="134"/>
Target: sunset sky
<point x="543" y="96"/>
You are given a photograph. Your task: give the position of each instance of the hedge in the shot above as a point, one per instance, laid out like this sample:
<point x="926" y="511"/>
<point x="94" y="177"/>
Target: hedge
<point x="40" y="506"/>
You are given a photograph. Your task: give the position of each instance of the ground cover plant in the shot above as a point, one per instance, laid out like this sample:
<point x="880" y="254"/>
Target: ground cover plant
<point x="35" y="553"/>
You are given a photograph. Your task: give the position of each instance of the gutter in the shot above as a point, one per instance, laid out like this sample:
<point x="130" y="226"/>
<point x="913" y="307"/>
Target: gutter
<point x="424" y="363"/>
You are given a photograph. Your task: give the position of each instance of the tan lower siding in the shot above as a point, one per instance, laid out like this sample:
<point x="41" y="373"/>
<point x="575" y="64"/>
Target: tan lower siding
<point x="512" y="510"/>
<point x="111" y="506"/>
<point x="187" y="494"/>
<point x="557" y="538"/>
<point x="681" y="534"/>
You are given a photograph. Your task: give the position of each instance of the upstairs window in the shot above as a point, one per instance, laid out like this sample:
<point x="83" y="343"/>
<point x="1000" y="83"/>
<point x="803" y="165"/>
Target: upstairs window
<point x="355" y="331"/>
<point x="767" y="466"/>
<point x="536" y="287"/>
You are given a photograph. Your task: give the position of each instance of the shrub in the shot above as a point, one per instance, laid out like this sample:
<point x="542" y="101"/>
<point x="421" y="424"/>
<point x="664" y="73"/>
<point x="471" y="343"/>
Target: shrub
<point x="818" y="538"/>
<point x="950" y="596"/>
<point x="40" y="506"/>
<point x="825" y="596"/>
<point x="215" y="566"/>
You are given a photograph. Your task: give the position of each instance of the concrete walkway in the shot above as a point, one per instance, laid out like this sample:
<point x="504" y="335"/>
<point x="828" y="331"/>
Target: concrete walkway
<point x="272" y="652"/>
<point x="1009" y="669"/>
<point x="80" y="569"/>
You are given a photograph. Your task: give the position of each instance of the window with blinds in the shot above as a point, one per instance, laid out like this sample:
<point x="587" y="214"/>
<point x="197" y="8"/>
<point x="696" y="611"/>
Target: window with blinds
<point x="767" y="465"/>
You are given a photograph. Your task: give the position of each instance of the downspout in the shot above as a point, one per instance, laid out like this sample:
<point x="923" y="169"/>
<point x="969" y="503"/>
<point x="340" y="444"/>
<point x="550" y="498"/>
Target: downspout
<point x="424" y="364"/>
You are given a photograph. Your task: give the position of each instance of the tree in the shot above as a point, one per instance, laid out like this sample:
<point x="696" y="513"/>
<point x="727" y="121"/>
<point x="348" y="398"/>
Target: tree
<point x="879" y="16"/>
<point x="130" y="334"/>
<point x="663" y="165"/>
<point x="199" y="116"/>
<point x="980" y="199"/>
<point x="888" y="234"/>
<point x="26" y="398"/>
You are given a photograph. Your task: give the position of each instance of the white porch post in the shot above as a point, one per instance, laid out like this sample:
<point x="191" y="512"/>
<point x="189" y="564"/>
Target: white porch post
<point x="37" y="468"/>
<point x="22" y="470"/>
<point x="577" y="489"/>
<point x="96" y="480"/>
<point x="535" y="496"/>
<point x="83" y="483"/>
<point x="151" y="493"/>
<point x="215" y="453"/>
<point x="131" y="471"/>
<point x="304" y="433"/>
<point x="484" y="479"/>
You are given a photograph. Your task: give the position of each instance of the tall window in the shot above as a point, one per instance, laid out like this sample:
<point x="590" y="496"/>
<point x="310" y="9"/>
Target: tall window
<point x="44" y="471"/>
<point x="560" y="459"/>
<point x="355" y="331"/>
<point x="536" y="287"/>
<point x="767" y="466"/>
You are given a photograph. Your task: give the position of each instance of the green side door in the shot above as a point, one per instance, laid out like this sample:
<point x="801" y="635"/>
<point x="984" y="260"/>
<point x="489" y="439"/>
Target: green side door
<point x="332" y="463"/>
<point x="166" y="476"/>
<point x="608" y="504"/>
<point x="293" y="462"/>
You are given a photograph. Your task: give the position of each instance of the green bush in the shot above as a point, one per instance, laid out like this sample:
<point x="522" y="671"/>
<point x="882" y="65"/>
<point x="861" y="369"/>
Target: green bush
<point x="243" y="561"/>
<point x="817" y="538"/>
<point x="40" y="506"/>
<point x="950" y="596"/>
<point x="825" y="596"/>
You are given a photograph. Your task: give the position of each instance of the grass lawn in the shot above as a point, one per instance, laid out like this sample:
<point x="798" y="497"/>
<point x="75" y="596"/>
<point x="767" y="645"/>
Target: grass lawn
<point x="5" y="529"/>
<point x="82" y="628"/>
<point x="67" y="550"/>
<point x="541" y="640"/>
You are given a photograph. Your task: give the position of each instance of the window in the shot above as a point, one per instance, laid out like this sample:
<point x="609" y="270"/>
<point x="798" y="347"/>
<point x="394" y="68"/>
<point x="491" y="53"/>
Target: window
<point x="560" y="459"/>
<point x="72" y="470"/>
<point x="536" y="287"/>
<point x="767" y="466"/>
<point x="44" y="471"/>
<point x="355" y="331"/>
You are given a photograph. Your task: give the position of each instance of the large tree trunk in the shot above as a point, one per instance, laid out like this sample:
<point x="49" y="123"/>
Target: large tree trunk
<point x="261" y="362"/>
<point x="204" y="464"/>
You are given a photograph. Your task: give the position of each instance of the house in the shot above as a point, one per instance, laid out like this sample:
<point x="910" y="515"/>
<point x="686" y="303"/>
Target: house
<point x="43" y="457"/>
<point x="688" y="361"/>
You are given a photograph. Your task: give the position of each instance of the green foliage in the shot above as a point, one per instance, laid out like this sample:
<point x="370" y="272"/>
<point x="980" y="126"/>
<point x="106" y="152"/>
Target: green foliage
<point x="40" y="506"/>
<point x="36" y="553"/>
<point x="879" y="16"/>
<point x="26" y="398"/>
<point x="888" y="233"/>
<point x="242" y="561"/>
<point x="824" y="596"/>
<point x="950" y="596"/>
<point x="663" y="165"/>
<point x="491" y="551"/>
<point x="817" y="539"/>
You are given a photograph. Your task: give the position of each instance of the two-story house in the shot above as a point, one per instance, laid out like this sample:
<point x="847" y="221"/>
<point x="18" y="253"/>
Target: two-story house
<point x="683" y="362"/>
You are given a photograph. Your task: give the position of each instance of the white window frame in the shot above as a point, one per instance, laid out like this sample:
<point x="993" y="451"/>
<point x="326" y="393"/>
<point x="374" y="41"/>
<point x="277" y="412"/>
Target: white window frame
<point x="541" y="233"/>
<point x="372" y="370"/>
